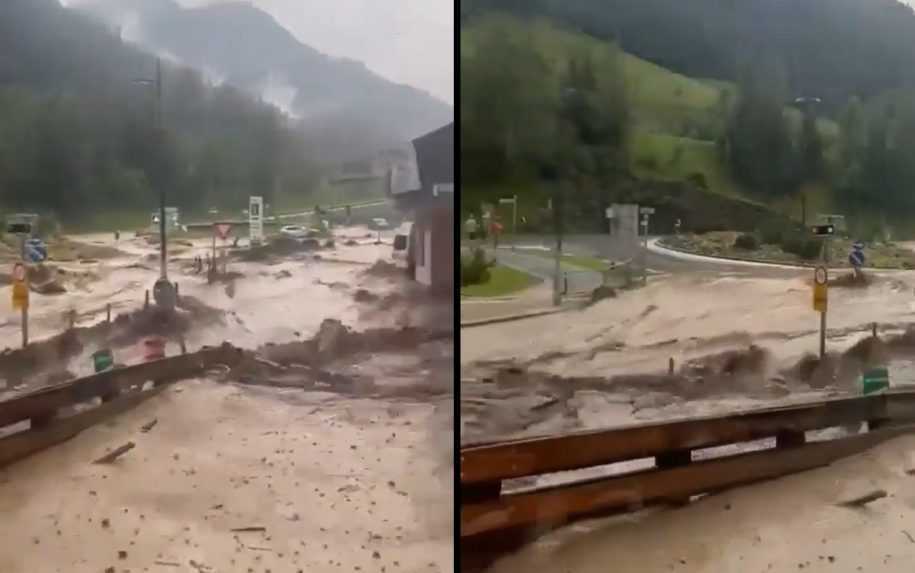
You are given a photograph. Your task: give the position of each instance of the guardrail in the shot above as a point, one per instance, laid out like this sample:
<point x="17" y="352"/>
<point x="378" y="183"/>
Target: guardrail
<point x="118" y="389"/>
<point x="494" y="521"/>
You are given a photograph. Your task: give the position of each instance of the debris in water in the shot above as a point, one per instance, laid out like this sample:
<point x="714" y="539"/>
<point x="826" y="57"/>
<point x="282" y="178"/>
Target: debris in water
<point x="864" y="499"/>
<point x="115" y="454"/>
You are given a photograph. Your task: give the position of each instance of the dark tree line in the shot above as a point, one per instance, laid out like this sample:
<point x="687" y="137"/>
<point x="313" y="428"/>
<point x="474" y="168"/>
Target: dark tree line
<point x="834" y="49"/>
<point x="538" y="120"/>
<point x="77" y="135"/>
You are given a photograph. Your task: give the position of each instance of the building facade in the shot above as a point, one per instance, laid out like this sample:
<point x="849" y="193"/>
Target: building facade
<point x="425" y="187"/>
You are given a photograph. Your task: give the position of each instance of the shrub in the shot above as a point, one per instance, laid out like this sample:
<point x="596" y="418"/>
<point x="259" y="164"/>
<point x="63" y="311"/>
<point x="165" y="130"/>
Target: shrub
<point x="475" y="268"/>
<point x="806" y="248"/>
<point x="677" y="155"/>
<point x="650" y="163"/>
<point x="772" y="233"/>
<point x="698" y="179"/>
<point x="746" y="242"/>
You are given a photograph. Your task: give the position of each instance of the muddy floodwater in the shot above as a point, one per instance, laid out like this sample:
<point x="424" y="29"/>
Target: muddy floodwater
<point x="703" y="343"/>
<point x="328" y="449"/>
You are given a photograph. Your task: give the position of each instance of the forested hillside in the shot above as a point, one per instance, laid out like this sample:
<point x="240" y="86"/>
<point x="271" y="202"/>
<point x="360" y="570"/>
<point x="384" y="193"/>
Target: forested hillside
<point x="342" y="107"/>
<point x="78" y="134"/>
<point x="833" y="49"/>
<point x="535" y="85"/>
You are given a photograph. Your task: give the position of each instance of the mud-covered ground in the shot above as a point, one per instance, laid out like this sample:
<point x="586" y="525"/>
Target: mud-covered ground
<point x="736" y="342"/>
<point x="334" y="434"/>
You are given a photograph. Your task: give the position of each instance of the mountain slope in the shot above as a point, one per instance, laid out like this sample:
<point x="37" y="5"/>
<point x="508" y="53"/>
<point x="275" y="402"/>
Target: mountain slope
<point x="829" y="48"/>
<point x="330" y="95"/>
<point x="78" y="136"/>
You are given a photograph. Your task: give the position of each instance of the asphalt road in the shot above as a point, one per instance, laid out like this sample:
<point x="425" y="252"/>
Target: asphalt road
<point x="603" y="247"/>
<point x="579" y="280"/>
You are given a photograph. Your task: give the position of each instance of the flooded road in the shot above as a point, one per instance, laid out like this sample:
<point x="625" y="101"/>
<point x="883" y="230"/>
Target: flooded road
<point x="336" y="447"/>
<point x="609" y="363"/>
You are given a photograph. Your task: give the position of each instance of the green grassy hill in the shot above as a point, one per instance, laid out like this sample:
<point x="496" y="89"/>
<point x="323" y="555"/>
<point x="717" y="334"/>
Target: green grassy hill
<point x="675" y="119"/>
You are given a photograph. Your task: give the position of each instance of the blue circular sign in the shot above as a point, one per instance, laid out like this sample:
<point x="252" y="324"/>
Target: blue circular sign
<point x="856" y="258"/>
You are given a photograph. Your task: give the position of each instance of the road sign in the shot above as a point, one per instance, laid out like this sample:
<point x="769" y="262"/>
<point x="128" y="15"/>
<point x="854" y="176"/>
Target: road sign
<point x="20" y="287"/>
<point x="856" y="259"/>
<point x="875" y="379"/>
<point x="256" y="220"/>
<point x="18" y="228"/>
<point x="35" y="251"/>
<point x="646" y="210"/>
<point x="223" y="230"/>
<point x="824" y="230"/>
<point x="507" y="201"/>
<point x="820" y="289"/>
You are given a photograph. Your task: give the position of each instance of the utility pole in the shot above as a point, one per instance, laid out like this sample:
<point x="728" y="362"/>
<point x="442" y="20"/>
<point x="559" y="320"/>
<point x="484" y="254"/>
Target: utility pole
<point x="557" y="206"/>
<point x="163" y="251"/>
<point x="163" y="290"/>
<point x="514" y="203"/>
<point x="645" y="212"/>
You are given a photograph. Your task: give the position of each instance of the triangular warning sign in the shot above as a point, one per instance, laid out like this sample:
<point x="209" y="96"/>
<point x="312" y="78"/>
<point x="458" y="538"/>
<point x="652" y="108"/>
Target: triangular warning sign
<point x="223" y="230"/>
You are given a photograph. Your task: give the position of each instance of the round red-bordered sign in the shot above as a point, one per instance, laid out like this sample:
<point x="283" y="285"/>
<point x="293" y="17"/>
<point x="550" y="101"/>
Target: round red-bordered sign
<point x="19" y="272"/>
<point x="820" y="276"/>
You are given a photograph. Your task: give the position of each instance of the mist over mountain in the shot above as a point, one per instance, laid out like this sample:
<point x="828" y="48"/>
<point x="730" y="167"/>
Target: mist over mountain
<point x="343" y="107"/>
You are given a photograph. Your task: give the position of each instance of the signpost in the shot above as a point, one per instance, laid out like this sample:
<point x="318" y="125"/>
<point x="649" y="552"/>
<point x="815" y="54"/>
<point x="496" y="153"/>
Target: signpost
<point x="820" y="302"/>
<point x="824" y="230"/>
<point x="21" y="298"/>
<point x="875" y="380"/>
<point x="645" y="212"/>
<point x="256" y="220"/>
<point x="856" y="257"/>
<point x="223" y="230"/>
<point x="513" y="201"/>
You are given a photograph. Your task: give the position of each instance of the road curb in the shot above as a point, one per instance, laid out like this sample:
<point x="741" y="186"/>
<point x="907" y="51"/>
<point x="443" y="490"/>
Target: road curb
<point x="511" y="317"/>
<point x="760" y="262"/>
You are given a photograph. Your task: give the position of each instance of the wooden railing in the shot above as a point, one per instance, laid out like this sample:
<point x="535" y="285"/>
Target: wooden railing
<point x="495" y="519"/>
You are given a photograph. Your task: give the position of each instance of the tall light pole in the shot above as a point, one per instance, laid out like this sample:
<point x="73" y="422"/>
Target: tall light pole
<point x="807" y="105"/>
<point x="567" y="97"/>
<point x="163" y="290"/>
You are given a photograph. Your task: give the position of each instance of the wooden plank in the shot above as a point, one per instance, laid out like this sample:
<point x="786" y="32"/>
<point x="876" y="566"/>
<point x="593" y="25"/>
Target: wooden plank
<point x="24" y="444"/>
<point x="44" y="403"/>
<point x="518" y="458"/>
<point x="555" y="506"/>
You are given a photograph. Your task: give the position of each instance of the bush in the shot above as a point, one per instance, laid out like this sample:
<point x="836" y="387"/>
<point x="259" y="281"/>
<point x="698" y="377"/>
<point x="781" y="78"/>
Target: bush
<point x="772" y="233"/>
<point x="650" y="163"/>
<point x="746" y="242"/>
<point x="698" y="179"/>
<point x="806" y="248"/>
<point x="475" y="269"/>
<point x="677" y="155"/>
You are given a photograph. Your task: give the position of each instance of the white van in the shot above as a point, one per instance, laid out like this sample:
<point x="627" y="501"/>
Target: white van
<point x="402" y="242"/>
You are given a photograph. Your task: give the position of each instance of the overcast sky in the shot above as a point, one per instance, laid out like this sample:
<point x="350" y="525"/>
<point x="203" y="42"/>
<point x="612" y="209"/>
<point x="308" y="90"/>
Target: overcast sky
<point x="408" y="41"/>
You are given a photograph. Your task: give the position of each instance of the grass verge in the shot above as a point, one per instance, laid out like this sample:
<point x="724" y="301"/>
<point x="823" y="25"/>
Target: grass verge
<point x="502" y="281"/>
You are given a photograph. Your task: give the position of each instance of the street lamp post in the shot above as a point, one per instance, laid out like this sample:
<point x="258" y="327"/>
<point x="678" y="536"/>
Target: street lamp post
<point x="513" y="201"/>
<point x="163" y="290"/>
<point x="807" y="104"/>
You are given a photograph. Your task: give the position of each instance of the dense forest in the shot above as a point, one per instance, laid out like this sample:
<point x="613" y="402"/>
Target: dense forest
<point x="78" y="134"/>
<point x="342" y="107"/>
<point x="767" y="102"/>
<point x="832" y="49"/>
